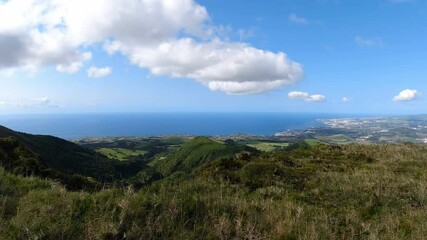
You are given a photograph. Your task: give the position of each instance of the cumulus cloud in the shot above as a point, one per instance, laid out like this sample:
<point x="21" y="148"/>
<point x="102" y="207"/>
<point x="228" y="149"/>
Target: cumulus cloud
<point x="368" y="42"/>
<point x="173" y="38"/>
<point x="31" y="37"/>
<point x="74" y="67"/>
<point x="95" y="72"/>
<point x="234" y="68"/>
<point x="406" y="95"/>
<point x="304" y="96"/>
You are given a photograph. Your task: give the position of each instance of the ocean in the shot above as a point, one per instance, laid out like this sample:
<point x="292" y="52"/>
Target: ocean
<point x="77" y="126"/>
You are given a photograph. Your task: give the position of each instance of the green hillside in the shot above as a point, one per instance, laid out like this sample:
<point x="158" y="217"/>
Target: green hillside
<point x="301" y="191"/>
<point x="195" y="153"/>
<point x="19" y="160"/>
<point x="313" y="192"/>
<point x="121" y="154"/>
<point x="64" y="156"/>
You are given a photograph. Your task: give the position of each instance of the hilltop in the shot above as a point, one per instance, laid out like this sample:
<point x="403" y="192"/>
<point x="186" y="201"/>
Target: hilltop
<point x="198" y="152"/>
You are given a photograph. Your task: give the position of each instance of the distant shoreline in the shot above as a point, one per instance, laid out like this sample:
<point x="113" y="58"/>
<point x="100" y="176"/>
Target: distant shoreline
<point x="271" y="126"/>
<point x="78" y="126"/>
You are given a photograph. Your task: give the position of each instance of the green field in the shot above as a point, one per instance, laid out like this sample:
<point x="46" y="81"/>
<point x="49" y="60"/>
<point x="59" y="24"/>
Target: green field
<point x="338" y="139"/>
<point x="268" y="146"/>
<point x="313" y="142"/>
<point x="120" y="154"/>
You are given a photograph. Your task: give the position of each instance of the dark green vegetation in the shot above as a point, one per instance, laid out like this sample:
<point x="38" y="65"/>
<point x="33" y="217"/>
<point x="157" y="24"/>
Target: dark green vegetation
<point x="72" y="159"/>
<point x="206" y="189"/>
<point x="196" y="153"/>
<point x="64" y="156"/>
<point x="18" y="159"/>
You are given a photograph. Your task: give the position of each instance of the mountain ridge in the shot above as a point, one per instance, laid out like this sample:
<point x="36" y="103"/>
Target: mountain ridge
<point x="64" y="156"/>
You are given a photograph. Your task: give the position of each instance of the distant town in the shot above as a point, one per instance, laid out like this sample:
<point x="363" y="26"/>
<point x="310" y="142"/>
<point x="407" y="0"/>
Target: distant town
<point x="364" y="130"/>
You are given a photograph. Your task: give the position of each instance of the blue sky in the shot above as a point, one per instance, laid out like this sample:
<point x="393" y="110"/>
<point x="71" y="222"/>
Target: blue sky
<point x="340" y="56"/>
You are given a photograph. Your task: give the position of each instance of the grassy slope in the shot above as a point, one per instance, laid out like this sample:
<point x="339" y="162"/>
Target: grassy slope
<point x="195" y="153"/>
<point x="18" y="159"/>
<point x="120" y="154"/>
<point x="313" y="142"/>
<point x="268" y="146"/>
<point x="337" y="139"/>
<point x="320" y="192"/>
<point x="63" y="155"/>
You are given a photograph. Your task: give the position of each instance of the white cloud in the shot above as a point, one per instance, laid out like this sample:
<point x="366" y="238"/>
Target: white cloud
<point x="74" y="66"/>
<point x="304" y="96"/>
<point x="95" y="72"/>
<point x="368" y="42"/>
<point x="234" y="68"/>
<point x="298" y="20"/>
<point x="346" y="99"/>
<point x="315" y="98"/>
<point x="173" y="38"/>
<point x="295" y="95"/>
<point x="406" y="95"/>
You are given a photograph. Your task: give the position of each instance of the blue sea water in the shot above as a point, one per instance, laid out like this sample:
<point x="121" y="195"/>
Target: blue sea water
<point x="76" y="126"/>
